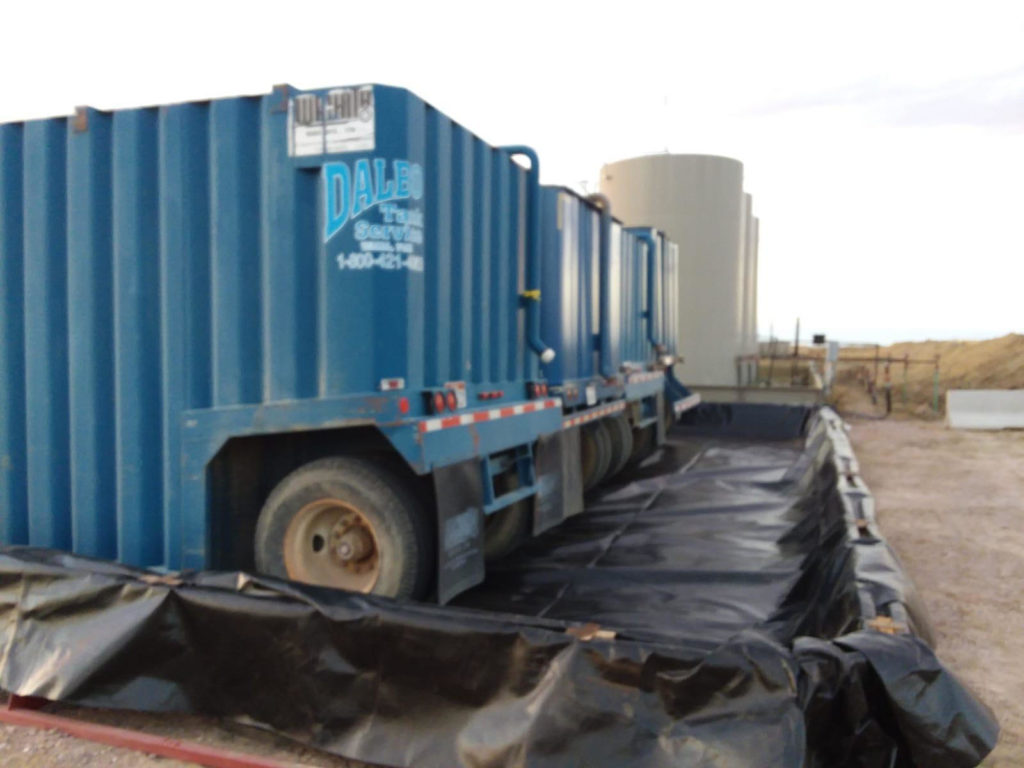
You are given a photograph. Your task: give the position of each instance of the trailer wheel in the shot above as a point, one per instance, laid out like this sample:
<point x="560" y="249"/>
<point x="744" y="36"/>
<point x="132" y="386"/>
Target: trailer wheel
<point x="507" y="529"/>
<point x="622" y="443"/>
<point x="596" y="453"/>
<point x="643" y="444"/>
<point x="349" y="524"/>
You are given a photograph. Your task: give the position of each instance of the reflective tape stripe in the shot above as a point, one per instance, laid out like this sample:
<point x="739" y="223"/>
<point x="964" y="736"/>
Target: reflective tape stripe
<point x="638" y="378"/>
<point x="596" y="413"/>
<point x="489" y="414"/>
<point x="686" y="403"/>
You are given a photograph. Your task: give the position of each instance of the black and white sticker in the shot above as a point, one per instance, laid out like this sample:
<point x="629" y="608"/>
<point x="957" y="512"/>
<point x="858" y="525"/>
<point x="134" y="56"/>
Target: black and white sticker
<point x="341" y="121"/>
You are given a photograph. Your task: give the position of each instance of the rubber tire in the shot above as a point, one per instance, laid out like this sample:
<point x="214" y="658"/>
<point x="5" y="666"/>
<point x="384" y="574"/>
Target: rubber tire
<point x="399" y="521"/>
<point x="506" y="529"/>
<point x="604" y="429"/>
<point x="622" y="443"/>
<point x="588" y="458"/>
<point x="643" y="444"/>
<point x="595" y="453"/>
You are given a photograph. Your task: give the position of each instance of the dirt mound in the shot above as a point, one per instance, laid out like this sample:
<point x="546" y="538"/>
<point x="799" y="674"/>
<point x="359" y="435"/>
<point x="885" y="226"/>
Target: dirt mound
<point x="990" y="364"/>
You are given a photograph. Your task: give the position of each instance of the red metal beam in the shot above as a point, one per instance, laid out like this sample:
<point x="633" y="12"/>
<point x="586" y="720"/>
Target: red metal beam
<point x="23" y="711"/>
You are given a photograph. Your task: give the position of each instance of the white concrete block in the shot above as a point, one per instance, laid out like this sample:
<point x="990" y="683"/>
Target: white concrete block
<point x="985" y="408"/>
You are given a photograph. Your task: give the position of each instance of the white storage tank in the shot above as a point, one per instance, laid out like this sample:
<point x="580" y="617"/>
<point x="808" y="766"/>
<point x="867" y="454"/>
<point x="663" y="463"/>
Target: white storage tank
<point x="752" y="285"/>
<point x="698" y="201"/>
<point x="747" y="368"/>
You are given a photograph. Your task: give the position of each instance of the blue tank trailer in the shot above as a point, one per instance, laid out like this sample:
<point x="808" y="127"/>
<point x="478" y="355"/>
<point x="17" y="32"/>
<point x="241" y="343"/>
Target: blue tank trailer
<point x="606" y="303"/>
<point x="331" y="335"/>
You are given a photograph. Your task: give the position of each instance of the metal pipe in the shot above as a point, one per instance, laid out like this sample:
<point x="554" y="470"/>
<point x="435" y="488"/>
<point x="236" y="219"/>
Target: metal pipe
<point x="532" y="293"/>
<point x="607" y="365"/>
<point x="646" y="237"/>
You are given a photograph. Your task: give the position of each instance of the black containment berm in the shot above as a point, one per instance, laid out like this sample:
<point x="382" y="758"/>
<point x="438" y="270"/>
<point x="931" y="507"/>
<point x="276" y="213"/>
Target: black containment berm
<point x="729" y="603"/>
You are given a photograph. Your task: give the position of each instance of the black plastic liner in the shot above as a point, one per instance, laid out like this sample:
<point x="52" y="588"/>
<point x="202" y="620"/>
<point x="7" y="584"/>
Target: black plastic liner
<point x="732" y="604"/>
<point x="760" y="421"/>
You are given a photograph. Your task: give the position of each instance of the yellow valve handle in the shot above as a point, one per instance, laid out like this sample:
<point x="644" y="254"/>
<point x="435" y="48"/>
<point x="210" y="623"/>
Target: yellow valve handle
<point x="532" y="294"/>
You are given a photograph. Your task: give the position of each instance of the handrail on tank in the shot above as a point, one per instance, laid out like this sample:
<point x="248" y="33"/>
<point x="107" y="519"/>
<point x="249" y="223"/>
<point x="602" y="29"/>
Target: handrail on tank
<point x="604" y="285"/>
<point x="645" y="236"/>
<point x="532" y="293"/>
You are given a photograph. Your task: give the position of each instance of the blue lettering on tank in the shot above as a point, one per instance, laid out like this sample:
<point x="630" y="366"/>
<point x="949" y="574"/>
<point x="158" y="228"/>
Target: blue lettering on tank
<point x="416" y="181"/>
<point x="402" y="174"/>
<point x="337" y="181"/>
<point x="350" y="192"/>
<point x="385" y="186"/>
<point x="362" y="196"/>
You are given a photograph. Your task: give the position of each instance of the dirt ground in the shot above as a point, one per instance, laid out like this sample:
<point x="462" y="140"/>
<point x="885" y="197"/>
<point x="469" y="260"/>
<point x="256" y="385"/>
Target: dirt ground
<point x="989" y="364"/>
<point x="30" y="748"/>
<point x="951" y="504"/>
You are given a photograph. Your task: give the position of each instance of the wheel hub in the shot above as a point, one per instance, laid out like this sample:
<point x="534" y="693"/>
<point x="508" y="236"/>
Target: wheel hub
<point x="330" y="542"/>
<point x="352" y="544"/>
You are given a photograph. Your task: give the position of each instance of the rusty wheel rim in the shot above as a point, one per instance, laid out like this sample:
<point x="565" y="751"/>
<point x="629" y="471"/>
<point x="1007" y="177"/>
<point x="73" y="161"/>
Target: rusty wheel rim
<point x="332" y="543"/>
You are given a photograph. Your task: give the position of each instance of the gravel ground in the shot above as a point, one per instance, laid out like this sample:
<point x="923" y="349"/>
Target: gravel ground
<point x="31" y="748"/>
<point x="951" y="504"/>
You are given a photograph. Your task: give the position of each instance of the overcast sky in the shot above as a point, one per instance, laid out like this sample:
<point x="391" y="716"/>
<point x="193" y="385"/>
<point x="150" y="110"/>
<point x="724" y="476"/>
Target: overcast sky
<point x="883" y="142"/>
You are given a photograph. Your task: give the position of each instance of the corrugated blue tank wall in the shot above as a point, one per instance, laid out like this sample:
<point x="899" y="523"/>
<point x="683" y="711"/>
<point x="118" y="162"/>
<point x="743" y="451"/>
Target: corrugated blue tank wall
<point x="663" y="293"/>
<point x="659" y="283"/>
<point x="190" y="256"/>
<point x="670" y="295"/>
<point x="633" y="348"/>
<point x="570" y="275"/>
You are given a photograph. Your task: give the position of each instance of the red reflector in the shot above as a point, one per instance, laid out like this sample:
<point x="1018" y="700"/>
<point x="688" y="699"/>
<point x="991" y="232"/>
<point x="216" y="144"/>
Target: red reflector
<point x="403" y="405"/>
<point x="452" y="400"/>
<point x="438" y="402"/>
<point x="498" y="394"/>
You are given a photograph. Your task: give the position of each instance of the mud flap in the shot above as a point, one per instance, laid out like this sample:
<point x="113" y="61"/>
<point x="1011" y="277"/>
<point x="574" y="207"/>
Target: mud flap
<point x="659" y="424"/>
<point x="572" y="475"/>
<point x="559" y="485"/>
<point x="460" y="528"/>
